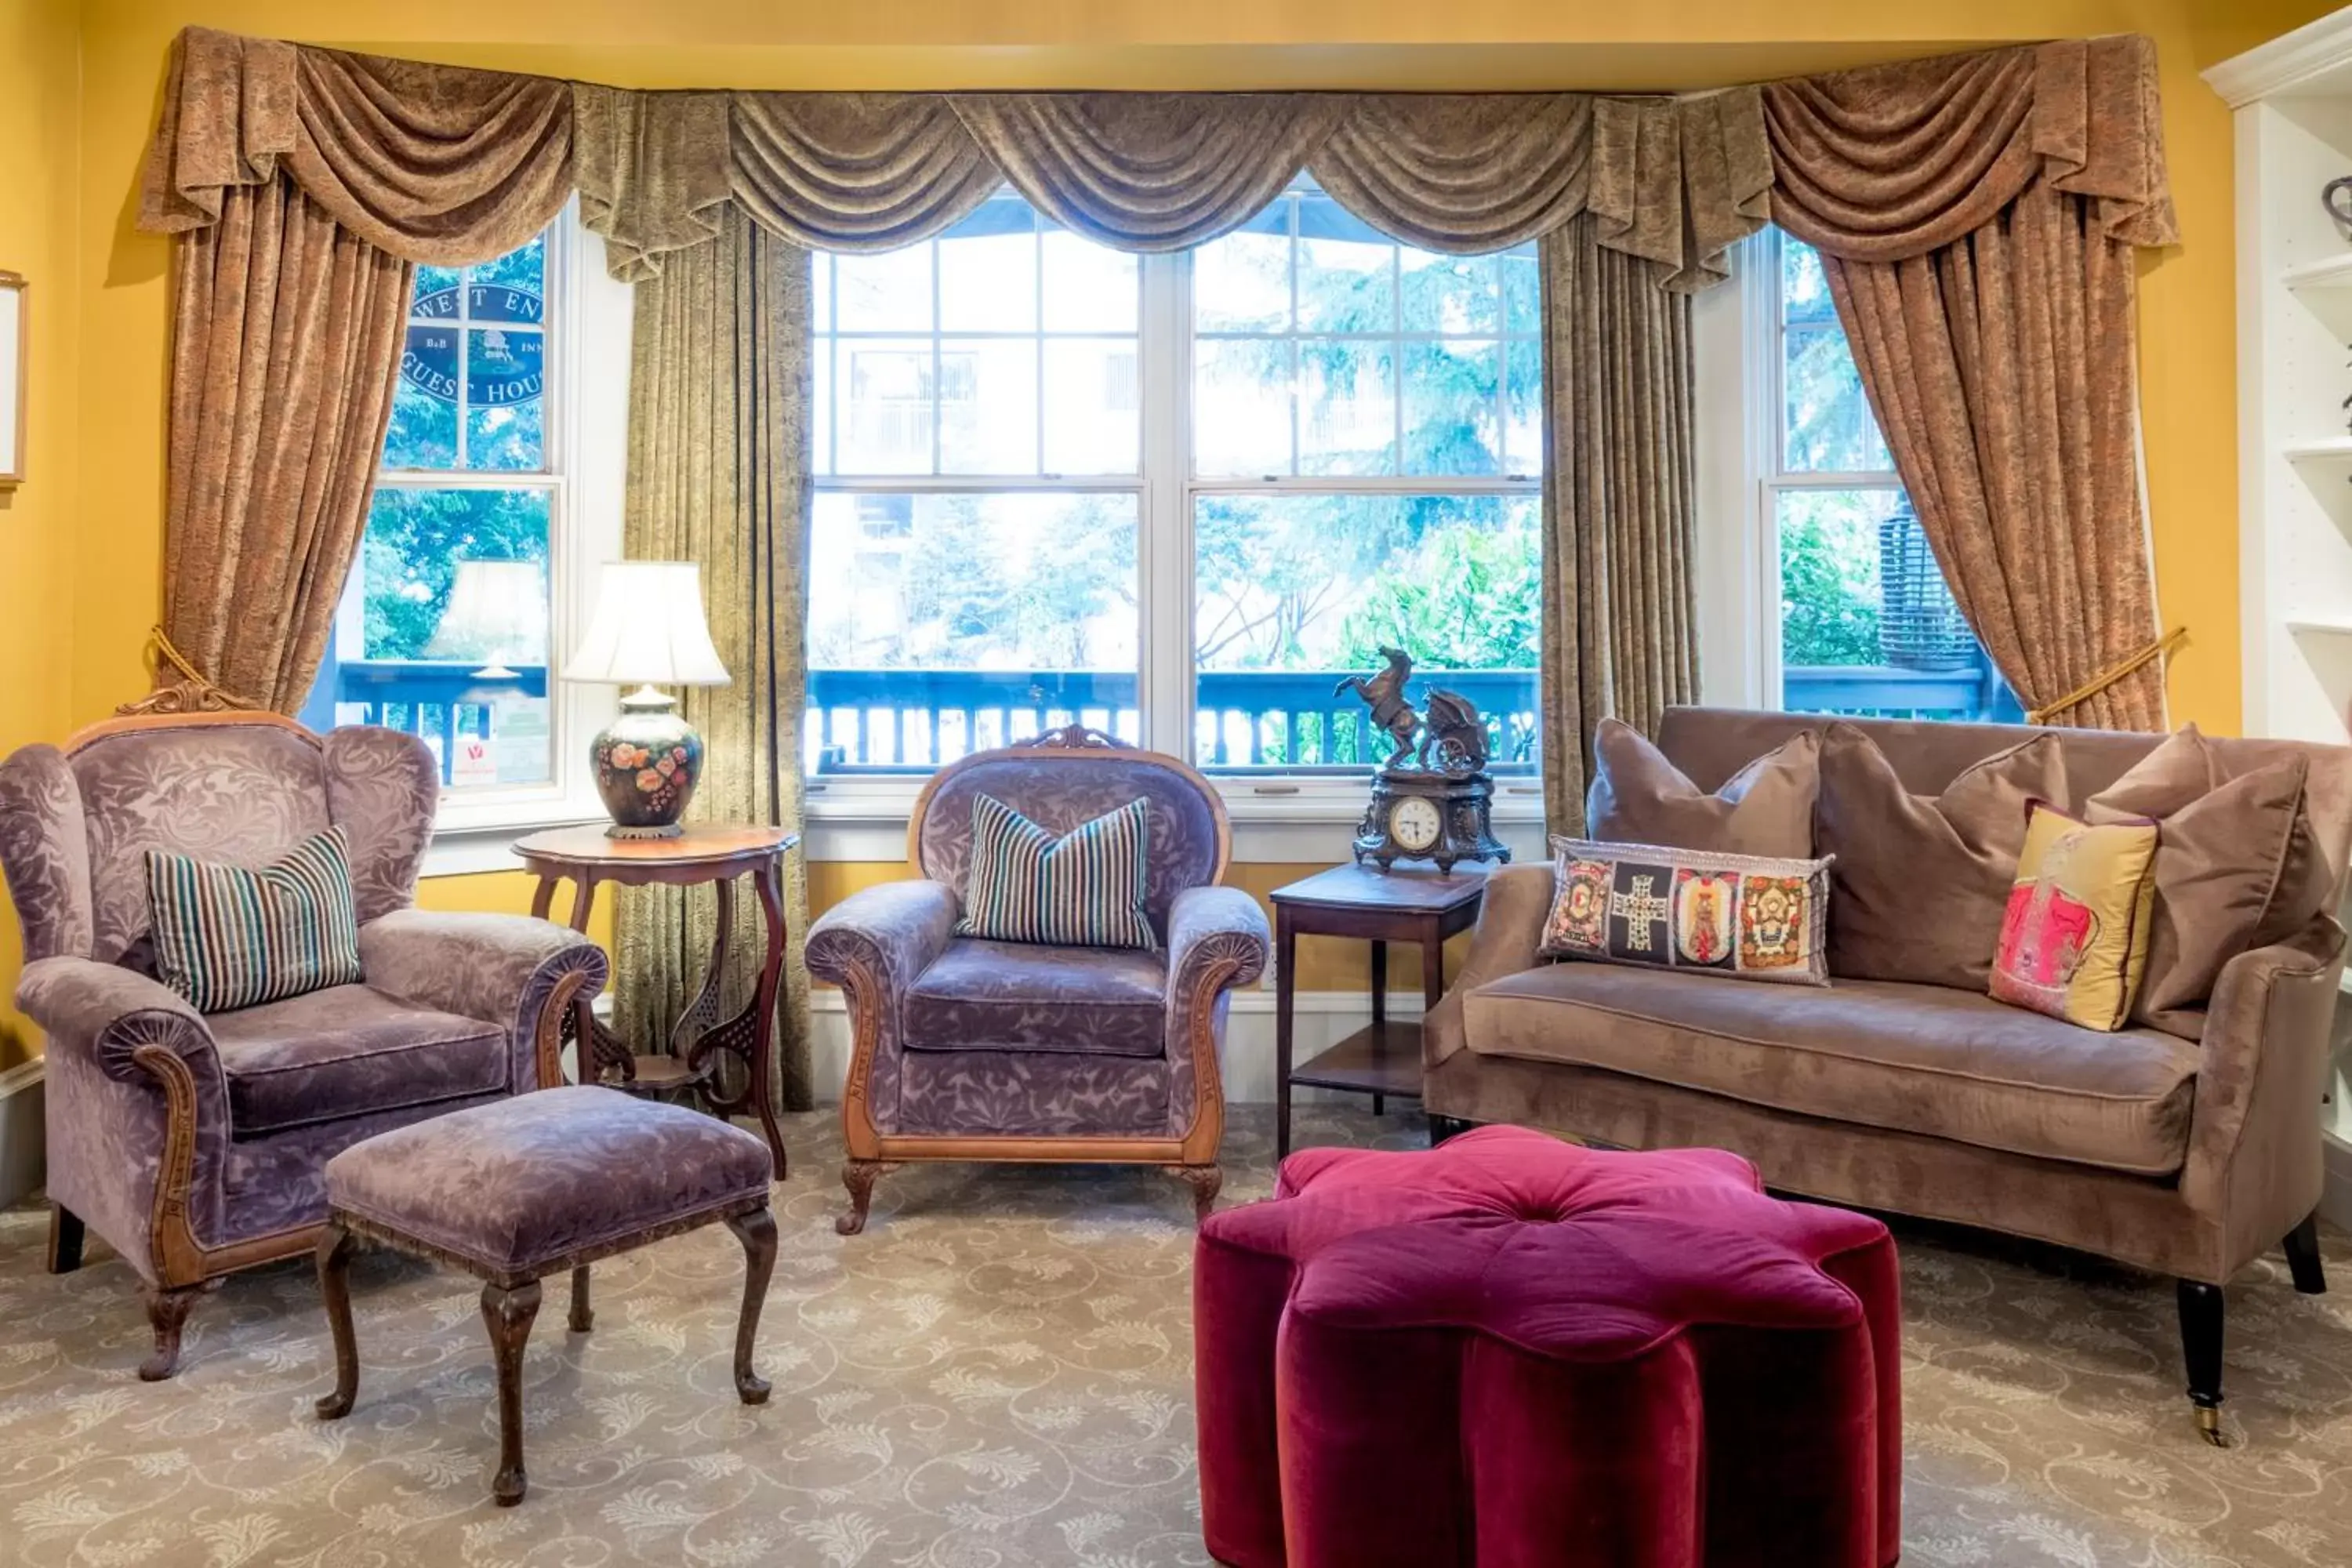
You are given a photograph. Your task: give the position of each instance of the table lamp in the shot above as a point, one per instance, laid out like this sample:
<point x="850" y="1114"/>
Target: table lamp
<point x="647" y="631"/>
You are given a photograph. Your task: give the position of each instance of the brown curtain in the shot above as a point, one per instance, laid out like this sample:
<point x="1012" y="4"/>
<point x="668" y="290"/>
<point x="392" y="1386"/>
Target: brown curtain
<point x="287" y="332"/>
<point x="719" y="434"/>
<point x="1977" y="216"/>
<point x="1619" y="504"/>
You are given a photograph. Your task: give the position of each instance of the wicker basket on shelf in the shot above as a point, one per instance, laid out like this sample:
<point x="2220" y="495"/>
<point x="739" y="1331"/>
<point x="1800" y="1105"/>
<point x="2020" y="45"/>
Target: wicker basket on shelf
<point x="1919" y="624"/>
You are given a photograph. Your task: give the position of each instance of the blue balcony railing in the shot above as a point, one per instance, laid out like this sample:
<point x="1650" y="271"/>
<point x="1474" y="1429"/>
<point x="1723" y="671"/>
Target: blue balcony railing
<point x="914" y="720"/>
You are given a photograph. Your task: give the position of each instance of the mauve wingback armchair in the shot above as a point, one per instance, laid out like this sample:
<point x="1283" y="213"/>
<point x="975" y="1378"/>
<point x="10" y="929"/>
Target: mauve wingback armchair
<point x="966" y="1049"/>
<point x="195" y="1145"/>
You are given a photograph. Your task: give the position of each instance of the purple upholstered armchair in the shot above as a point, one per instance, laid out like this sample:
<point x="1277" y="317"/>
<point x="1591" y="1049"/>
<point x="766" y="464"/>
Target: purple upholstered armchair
<point x="965" y="1049"/>
<point x="194" y="1145"/>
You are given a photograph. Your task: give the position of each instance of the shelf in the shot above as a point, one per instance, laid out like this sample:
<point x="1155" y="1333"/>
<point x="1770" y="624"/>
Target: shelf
<point x="1383" y="1058"/>
<point x="2335" y="272"/>
<point x="2327" y="629"/>
<point x="2333" y="449"/>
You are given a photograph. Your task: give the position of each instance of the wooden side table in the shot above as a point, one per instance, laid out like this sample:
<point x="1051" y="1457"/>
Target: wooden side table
<point x="715" y="854"/>
<point x="1424" y="906"/>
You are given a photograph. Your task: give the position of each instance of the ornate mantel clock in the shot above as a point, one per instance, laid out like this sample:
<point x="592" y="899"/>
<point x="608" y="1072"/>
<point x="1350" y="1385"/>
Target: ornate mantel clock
<point x="1432" y="799"/>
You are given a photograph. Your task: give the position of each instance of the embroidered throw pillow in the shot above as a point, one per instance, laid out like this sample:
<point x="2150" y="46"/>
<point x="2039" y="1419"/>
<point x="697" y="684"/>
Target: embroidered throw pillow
<point x="1922" y="880"/>
<point x="1639" y="797"/>
<point x="2073" y="942"/>
<point x="229" y="937"/>
<point x="1747" y="916"/>
<point x="1082" y="889"/>
<point x="2238" y="865"/>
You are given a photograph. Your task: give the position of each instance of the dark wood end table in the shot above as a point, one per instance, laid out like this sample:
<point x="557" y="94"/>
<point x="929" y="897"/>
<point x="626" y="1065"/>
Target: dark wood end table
<point x="1403" y="905"/>
<point x="716" y="855"/>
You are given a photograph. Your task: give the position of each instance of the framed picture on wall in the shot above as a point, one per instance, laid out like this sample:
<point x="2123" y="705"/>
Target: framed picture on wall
<point x="13" y="359"/>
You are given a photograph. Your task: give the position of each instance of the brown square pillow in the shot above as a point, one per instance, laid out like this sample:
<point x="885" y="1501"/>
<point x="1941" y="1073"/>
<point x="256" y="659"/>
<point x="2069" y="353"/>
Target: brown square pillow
<point x="1639" y="797"/>
<point x="1919" y="883"/>
<point x="2238" y="865"/>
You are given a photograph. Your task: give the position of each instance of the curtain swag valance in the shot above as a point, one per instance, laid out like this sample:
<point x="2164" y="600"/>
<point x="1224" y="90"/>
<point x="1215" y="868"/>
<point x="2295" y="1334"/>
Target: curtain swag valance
<point x="444" y="164"/>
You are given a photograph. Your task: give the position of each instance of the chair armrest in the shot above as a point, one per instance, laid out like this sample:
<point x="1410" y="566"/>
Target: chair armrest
<point x="1507" y="939"/>
<point x="2254" y="1153"/>
<point x="513" y="971"/>
<point x="883" y="937"/>
<point x="109" y="1013"/>
<point x="1218" y="937"/>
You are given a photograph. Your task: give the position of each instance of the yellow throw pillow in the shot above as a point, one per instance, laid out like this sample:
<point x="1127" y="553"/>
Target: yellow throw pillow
<point x="2073" y="939"/>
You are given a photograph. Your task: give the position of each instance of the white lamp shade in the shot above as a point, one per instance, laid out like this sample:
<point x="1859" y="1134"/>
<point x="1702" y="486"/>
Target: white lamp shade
<point x="648" y="629"/>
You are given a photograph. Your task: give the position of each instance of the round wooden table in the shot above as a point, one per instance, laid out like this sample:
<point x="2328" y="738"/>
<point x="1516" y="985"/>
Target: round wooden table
<point x="718" y="855"/>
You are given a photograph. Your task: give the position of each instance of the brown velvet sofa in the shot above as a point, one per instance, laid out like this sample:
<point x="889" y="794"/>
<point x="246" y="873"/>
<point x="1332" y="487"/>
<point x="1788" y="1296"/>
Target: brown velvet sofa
<point x="2184" y="1157"/>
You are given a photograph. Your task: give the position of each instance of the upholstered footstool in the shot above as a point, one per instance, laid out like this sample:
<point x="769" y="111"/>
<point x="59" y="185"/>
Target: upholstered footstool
<point x="1514" y="1353"/>
<point x="533" y="1185"/>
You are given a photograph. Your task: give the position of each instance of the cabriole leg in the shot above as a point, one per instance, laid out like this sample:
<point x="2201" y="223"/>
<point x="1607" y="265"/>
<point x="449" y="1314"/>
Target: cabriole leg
<point x="168" y="1306"/>
<point x="334" y="1255"/>
<point x="507" y="1314"/>
<point x="757" y="1232"/>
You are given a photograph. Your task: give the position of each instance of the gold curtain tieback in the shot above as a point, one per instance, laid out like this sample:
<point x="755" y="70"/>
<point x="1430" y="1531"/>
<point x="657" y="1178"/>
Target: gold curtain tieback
<point x="194" y="694"/>
<point x="2107" y="678"/>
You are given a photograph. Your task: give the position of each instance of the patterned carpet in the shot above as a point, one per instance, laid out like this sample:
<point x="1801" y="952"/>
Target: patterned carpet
<point x="998" y="1373"/>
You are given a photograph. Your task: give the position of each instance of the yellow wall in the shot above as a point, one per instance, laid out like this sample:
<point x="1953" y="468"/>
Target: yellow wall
<point x="40" y="237"/>
<point x="81" y="578"/>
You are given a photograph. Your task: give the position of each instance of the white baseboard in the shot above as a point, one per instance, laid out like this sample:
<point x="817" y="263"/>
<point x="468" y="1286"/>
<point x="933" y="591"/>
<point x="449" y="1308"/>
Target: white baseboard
<point x="2335" y="1198"/>
<point x="1318" y="1018"/>
<point x="23" y="1132"/>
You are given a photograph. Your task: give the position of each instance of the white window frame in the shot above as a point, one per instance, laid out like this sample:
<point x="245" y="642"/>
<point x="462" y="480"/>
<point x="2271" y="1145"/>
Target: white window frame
<point x="1302" y="817"/>
<point x="588" y="316"/>
<point x="1740" y="566"/>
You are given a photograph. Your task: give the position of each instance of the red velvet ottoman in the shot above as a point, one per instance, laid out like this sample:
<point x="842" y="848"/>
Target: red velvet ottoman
<point x="1514" y="1353"/>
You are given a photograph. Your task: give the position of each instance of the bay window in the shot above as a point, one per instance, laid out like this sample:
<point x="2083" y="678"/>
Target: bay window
<point x="1177" y="498"/>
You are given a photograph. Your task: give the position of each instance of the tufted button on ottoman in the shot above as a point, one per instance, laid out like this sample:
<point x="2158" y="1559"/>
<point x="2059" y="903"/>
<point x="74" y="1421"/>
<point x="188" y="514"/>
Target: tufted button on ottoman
<point x="1514" y="1353"/>
<point x="534" y="1185"/>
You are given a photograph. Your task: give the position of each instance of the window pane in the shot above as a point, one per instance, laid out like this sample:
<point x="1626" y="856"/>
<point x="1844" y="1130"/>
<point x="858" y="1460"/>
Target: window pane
<point x="505" y="420"/>
<point x="890" y="292"/>
<point x="1451" y="293"/>
<point x="988" y="405"/>
<point x="821" y="406"/>
<point x="423" y="429"/>
<point x="1829" y="426"/>
<point x="1241" y="407"/>
<point x="1293" y="592"/>
<point x="942" y="624"/>
<point x="988" y="269"/>
<point x="444" y="631"/>
<point x="1523" y="407"/>
<point x="1090" y="288"/>
<point x="1450" y="388"/>
<point x="1241" y="282"/>
<point x="1828" y="575"/>
<point x="885" y="427"/>
<point x="513" y="287"/>
<point x="1347" y="409"/>
<point x="1093" y="409"/>
<point x="1346" y="271"/>
<point x="820" y="291"/>
<point x="1522" y="290"/>
<point x="1804" y="290"/>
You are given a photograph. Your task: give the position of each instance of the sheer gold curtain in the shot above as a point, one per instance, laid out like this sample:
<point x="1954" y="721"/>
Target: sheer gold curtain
<point x="718" y="437"/>
<point x="1619" y="636"/>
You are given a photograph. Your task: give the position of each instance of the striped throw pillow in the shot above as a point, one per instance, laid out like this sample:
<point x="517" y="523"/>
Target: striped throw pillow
<point x="227" y="937"/>
<point x="1082" y="889"/>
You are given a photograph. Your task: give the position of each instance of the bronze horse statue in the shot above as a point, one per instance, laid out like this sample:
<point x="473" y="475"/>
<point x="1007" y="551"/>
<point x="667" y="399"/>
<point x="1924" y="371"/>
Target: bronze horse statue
<point x="1384" y="694"/>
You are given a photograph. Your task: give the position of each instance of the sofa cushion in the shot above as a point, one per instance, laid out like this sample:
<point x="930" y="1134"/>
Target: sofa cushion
<point x="2075" y="941"/>
<point x="1015" y="996"/>
<point x="1916" y="1058"/>
<point x="1743" y="916"/>
<point x="1639" y="797"/>
<point x="350" y="1051"/>
<point x="1921" y="881"/>
<point x="2237" y="866"/>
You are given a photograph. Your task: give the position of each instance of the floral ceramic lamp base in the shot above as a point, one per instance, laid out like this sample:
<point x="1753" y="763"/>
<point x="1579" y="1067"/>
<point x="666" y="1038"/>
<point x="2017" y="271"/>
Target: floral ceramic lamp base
<point x="648" y="762"/>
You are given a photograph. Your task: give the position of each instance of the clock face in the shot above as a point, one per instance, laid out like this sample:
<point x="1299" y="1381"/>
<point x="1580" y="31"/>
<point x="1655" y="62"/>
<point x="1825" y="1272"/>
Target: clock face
<point x="1414" y="823"/>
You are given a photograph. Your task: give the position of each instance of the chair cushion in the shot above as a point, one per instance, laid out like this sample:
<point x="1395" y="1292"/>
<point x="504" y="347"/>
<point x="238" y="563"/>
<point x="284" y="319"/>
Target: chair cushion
<point x="350" y="1051"/>
<point x="1914" y="1058"/>
<point x="1014" y="996"/>
<point x="1083" y="889"/>
<point x="510" y="1187"/>
<point x="231" y="936"/>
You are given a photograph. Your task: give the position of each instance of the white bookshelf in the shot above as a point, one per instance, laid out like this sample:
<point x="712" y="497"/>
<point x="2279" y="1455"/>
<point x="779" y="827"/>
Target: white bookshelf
<point x="2293" y="103"/>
